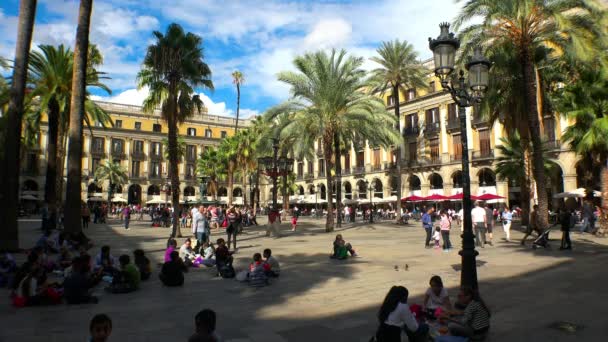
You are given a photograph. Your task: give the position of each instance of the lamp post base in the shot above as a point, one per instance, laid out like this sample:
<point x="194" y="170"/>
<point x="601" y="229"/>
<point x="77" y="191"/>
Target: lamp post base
<point x="468" y="274"/>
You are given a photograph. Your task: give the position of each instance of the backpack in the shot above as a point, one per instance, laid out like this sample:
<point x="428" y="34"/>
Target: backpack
<point x="227" y="271"/>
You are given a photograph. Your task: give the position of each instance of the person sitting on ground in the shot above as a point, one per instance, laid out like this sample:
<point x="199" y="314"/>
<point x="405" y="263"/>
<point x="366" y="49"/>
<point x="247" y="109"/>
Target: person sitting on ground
<point x="127" y="279"/>
<point x="205" y="322"/>
<point x="105" y="261"/>
<point x="100" y="328"/>
<point x="257" y="271"/>
<point x="8" y="268"/>
<point x="171" y="246"/>
<point x="395" y="315"/>
<point x="436" y="297"/>
<point x="172" y="272"/>
<point x="47" y="243"/>
<point x="186" y="253"/>
<point x="474" y="322"/>
<point x="342" y="248"/>
<point x="273" y="263"/>
<point x="77" y="285"/>
<point x="222" y="255"/>
<point x="64" y="259"/>
<point x="143" y="264"/>
<point x="208" y="254"/>
<point x="33" y="289"/>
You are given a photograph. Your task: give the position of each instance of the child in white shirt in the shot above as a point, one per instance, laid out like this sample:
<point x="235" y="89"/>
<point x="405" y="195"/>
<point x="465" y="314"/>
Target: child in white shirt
<point x="437" y="236"/>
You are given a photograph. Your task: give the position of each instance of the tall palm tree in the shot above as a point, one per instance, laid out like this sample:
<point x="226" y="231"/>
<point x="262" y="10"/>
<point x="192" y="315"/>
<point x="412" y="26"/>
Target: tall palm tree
<point x="530" y="24"/>
<point x="77" y="106"/>
<point x="115" y="174"/>
<point x="586" y="101"/>
<point x="172" y="68"/>
<point x="399" y="71"/>
<point x="328" y="97"/>
<point x="228" y="156"/>
<point x="9" y="235"/>
<point x="50" y="77"/>
<point x="210" y="165"/>
<point x="246" y="156"/>
<point x="237" y="79"/>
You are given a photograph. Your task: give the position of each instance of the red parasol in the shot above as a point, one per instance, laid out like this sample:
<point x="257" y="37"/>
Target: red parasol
<point x="488" y="197"/>
<point x="435" y="197"/>
<point x="459" y="196"/>
<point x="413" y="198"/>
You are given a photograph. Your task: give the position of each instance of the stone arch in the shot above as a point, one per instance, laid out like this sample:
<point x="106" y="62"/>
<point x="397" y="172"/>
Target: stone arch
<point x="362" y="188"/>
<point x="29" y="185"/>
<point x="486" y="177"/>
<point x="300" y="190"/>
<point x="311" y="189"/>
<point x="93" y="188"/>
<point x="457" y="179"/>
<point x="414" y="183"/>
<point x="134" y="194"/>
<point x="348" y="190"/>
<point x="118" y="189"/>
<point x="189" y="191"/>
<point x="222" y="191"/>
<point x="378" y="188"/>
<point x="435" y="181"/>
<point x="153" y="190"/>
<point x="323" y="192"/>
<point x="237" y="192"/>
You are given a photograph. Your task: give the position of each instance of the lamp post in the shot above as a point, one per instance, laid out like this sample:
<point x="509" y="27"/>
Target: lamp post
<point x="275" y="167"/>
<point x="203" y="187"/>
<point x="370" y="188"/>
<point x="167" y="189"/>
<point x="464" y="94"/>
<point x="318" y="189"/>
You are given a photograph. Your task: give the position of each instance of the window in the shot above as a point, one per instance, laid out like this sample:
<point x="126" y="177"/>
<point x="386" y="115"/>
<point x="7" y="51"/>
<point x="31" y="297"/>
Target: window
<point x="191" y="132"/>
<point x="155" y="148"/>
<point x="360" y="158"/>
<point x="434" y="144"/>
<point x="321" y="167"/>
<point x="549" y="129"/>
<point x="189" y="170"/>
<point x="223" y="134"/>
<point x="411" y="120"/>
<point x="98" y="144"/>
<point x="118" y="123"/>
<point x="135" y="169"/>
<point x="300" y="169"/>
<point x="154" y="169"/>
<point x="376" y="158"/>
<point x="484" y="142"/>
<point x="413" y="151"/>
<point x="208" y="133"/>
<point x="452" y="112"/>
<point x="457" y="146"/>
<point x="191" y="152"/>
<point x="138" y="126"/>
<point x="311" y="168"/>
<point x="411" y="94"/>
<point x="117" y="145"/>
<point x="432" y="115"/>
<point x="157" y="128"/>
<point x="31" y="165"/>
<point x="390" y="100"/>
<point x="432" y="88"/>
<point x="138" y="146"/>
<point x="94" y="165"/>
<point x="347" y="161"/>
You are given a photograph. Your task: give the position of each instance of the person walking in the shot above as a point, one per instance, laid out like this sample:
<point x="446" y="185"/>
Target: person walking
<point x="427" y="224"/>
<point x="588" y="218"/>
<point x="198" y="227"/>
<point x="490" y="221"/>
<point x="232" y="230"/>
<point x="507" y="217"/>
<point x="480" y="223"/>
<point x="86" y="216"/>
<point x="445" y="225"/>
<point x="566" y="219"/>
<point x="126" y="213"/>
<point x="532" y="224"/>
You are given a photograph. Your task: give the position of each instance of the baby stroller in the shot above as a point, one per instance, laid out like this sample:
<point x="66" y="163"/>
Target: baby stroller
<point x="542" y="240"/>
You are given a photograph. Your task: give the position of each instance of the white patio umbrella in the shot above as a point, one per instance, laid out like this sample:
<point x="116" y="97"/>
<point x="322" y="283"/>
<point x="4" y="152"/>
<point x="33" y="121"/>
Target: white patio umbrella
<point x="577" y="193"/>
<point x="96" y="199"/>
<point x="29" y="198"/>
<point x="156" y="201"/>
<point x="119" y="199"/>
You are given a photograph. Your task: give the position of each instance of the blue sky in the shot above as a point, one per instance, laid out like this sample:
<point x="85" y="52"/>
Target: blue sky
<point x="257" y="37"/>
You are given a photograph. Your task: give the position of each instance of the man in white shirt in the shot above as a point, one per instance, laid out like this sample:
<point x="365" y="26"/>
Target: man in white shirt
<point x="193" y="212"/>
<point x="346" y="214"/>
<point x="480" y="224"/>
<point x="198" y="227"/>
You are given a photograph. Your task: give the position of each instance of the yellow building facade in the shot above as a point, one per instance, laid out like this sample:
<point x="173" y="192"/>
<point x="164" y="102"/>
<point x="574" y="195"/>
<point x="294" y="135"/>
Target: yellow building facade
<point x="135" y="141"/>
<point x="431" y="154"/>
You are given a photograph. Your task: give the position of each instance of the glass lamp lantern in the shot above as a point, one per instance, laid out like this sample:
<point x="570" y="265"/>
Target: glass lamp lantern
<point x="444" y="52"/>
<point x="289" y="165"/>
<point x="478" y="68"/>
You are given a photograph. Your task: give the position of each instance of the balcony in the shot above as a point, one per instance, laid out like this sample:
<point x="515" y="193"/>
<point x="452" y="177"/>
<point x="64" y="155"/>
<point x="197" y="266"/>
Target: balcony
<point x="376" y="167"/>
<point x="434" y="160"/>
<point x="309" y="177"/>
<point x="119" y="154"/>
<point x="359" y="170"/>
<point x="138" y="155"/>
<point x="322" y="173"/>
<point x="455" y="158"/>
<point x="346" y="171"/>
<point x="452" y="125"/>
<point x="483" y="155"/>
<point x="156" y="156"/>
<point x="137" y="178"/>
<point x="155" y="176"/>
<point x="98" y="153"/>
<point x="553" y="145"/>
<point x="478" y="121"/>
<point x="432" y="129"/>
<point x="411" y="131"/>
<point x="299" y="176"/>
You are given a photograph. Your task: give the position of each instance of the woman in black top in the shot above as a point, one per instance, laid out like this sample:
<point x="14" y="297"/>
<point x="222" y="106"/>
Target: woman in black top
<point x="172" y="272"/>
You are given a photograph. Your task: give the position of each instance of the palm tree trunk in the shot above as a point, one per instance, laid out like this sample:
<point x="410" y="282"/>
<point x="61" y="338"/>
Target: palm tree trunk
<point x="9" y="231"/>
<point x="244" y="192"/>
<point x="74" y="188"/>
<point x="327" y="149"/>
<point x="230" y="186"/>
<point x="526" y="181"/>
<point x="285" y="195"/>
<point x="537" y="147"/>
<point x="174" y="175"/>
<point x="238" y="107"/>
<point x="603" y="219"/>
<point x="61" y="148"/>
<point x="397" y="153"/>
<point x="50" y="185"/>
<point x="338" y="179"/>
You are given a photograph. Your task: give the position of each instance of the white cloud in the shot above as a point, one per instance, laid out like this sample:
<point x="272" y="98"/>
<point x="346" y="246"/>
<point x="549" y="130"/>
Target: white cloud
<point x="328" y="33"/>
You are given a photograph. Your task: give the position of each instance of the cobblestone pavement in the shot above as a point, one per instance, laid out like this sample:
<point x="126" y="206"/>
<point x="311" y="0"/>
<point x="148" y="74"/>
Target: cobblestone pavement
<point x="318" y="299"/>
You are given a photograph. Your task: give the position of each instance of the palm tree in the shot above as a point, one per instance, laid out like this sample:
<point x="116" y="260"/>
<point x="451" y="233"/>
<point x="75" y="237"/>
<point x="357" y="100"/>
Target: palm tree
<point x="246" y="156"/>
<point x="586" y="101"/>
<point x="399" y="71"/>
<point x="181" y="148"/>
<point x="209" y="164"/>
<point x="79" y="81"/>
<point x="9" y="234"/>
<point x="528" y="25"/>
<point x="237" y="79"/>
<point x="228" y="156"/>
<point x="115" y="174"/>
<point x="328" y="97"/>
<point x="172" y="68"/>
<point x="50" y="76"/>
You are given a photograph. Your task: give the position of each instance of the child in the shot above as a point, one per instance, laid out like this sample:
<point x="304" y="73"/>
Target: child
<point x="171" y="246"/>
<point x="437" y="236"/>
<point x="436" y="297"/>
<point x="208" y="255"/>
<point x="143" y="264"/>
<point x="294" y="222"/>
<point x="100" y="328"/>
<point x="257" y="271"/>
<point x="273" y="263"/>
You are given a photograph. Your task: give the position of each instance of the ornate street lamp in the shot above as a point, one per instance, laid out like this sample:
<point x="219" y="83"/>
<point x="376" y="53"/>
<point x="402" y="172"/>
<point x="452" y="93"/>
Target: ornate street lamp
<point x="274" y="167"/>
<point x="464" y="94"/>
<point x="318" y="189"/>
<point x="202" y="187"/>
<point x="370" y="188"/>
